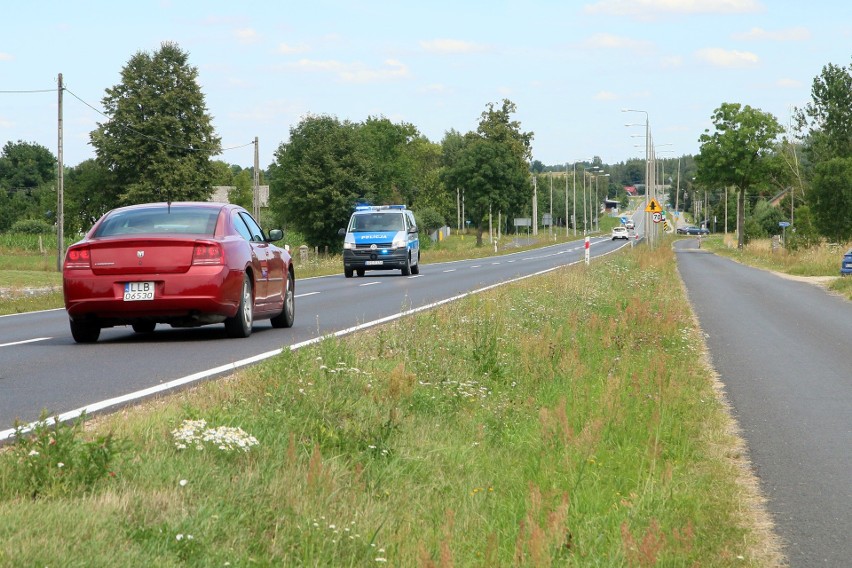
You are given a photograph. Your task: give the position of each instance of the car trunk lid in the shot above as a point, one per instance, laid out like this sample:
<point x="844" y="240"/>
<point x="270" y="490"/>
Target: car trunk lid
<point x="141" y="255"/>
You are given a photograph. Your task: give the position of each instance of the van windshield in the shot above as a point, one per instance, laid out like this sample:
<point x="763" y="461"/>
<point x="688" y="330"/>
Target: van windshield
<point x="377" y="222"/>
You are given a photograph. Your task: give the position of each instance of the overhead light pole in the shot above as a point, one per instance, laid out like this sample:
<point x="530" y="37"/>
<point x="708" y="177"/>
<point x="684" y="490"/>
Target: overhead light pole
<point x="650" y="231"/>
<point x="574" y="202"/>
<point x="598" y="202"/>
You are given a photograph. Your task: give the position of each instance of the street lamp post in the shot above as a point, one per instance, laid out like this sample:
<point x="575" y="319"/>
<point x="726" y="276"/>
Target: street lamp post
<point x="648" y="230"/>
<point x="598" y="201"/>
<point x="574" y="203"/>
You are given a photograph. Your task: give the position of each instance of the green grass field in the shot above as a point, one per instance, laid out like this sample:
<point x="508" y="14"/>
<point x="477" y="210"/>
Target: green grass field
<point x="566" y="420"/>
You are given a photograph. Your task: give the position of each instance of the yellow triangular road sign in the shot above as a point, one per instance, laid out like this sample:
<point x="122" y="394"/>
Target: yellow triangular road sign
<point x="653" y="207"/>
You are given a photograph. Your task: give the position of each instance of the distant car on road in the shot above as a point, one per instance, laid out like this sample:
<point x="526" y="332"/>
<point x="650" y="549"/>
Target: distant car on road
<point x="629" y="224"/>
<point x="620" y="233"/>
<point x="692" y="230"/>
<point x="846" y="264"/>
<point x="182" y="264"/>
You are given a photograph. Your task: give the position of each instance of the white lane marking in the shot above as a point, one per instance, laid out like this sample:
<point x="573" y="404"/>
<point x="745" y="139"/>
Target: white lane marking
<point x="368" y="283"/>
<point x="476" y="266"/>
<point x="450" y="270"/>
<point x="305" y="294"/>
<point x="94" y="407"/>
<point x="35" y="312"/>
<point x="25" y="341"/>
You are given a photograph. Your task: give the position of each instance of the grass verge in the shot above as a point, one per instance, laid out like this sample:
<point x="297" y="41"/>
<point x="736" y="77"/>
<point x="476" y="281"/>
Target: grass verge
<point x="566" y="420"/>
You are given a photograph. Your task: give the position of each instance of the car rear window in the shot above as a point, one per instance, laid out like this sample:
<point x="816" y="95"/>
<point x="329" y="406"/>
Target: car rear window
<point x="181" y="220"/>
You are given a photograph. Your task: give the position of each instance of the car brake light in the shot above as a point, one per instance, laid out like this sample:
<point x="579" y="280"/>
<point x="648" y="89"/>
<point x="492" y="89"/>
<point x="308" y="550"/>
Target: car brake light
<point x="78" y="259"/>
<point x="207" y="254"/>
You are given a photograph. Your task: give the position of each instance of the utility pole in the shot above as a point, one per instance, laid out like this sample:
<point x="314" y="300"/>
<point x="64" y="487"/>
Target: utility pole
<point x="255" y="202"/>
<point x="458" y="210"/>
<point x="574" y="201"/>
<point x="550" y="228"/>
<point x="535" y="206"/>
<point x="566" y="200"/>
<point x="60" y="186"/>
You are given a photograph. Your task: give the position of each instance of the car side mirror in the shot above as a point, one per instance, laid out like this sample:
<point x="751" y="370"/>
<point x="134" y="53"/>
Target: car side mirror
<point x="275" y="235"/>
<point x="341" y="233"/>
<point x="412" y="230"/>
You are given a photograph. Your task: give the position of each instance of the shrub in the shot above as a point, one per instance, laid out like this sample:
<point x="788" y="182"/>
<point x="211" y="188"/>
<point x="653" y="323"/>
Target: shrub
<point x="53" y="459"/>
<point x="32" y="227"/>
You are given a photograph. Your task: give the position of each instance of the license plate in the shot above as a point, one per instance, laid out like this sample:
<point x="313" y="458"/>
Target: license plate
<point x="374" y="262"/>
<point x="137" y="291"/>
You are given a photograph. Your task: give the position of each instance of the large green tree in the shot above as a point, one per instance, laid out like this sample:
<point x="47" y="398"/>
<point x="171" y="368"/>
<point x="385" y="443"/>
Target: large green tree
<point x="25" y="165"/>
<point x="317" y="177"/>
<point x="831" y="198"/>
<point x="828" y="117"/>
<point x="27" y="182"/>
<point x="389" y="159"/>
<point x="739" y="153"/>
<point x="159" y="139"/>
<point x="491" y="166"/>
<point x="85" y="199"/>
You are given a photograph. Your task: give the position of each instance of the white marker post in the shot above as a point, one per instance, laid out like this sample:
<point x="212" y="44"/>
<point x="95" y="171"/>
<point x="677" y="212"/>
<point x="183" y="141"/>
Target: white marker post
<point x="587" y="251"/>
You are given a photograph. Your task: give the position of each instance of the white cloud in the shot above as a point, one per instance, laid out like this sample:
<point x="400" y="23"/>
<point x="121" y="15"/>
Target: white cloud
<point x="5" y="57"/>
<point x="246" y="35"/>
<point x="727" y="58"/>
<point x="610" y="41"/>
<point x="287" y="49"/>
<point x="788" y="83"/>
<point x="267" y="111"/>
<point x="790" y="34"/>
<point x="451" y="46"/>
<point x="647" y="9"/>
<point x="671" y="61"/>
<point x="355" y="72"/>
<point x="437" y="88"/>
<point x="606" y="96"/>
<point x="5" y="123"/>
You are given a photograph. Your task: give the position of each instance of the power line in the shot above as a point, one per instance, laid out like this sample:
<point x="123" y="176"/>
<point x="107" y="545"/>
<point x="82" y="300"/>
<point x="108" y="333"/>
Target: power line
<point x="29" y="91"/>
<point x="143" y="135"/>
<point x="130" y="129"/>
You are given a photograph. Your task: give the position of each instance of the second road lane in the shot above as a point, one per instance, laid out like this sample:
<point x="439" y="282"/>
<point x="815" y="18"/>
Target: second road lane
<point x="42" y="369"/>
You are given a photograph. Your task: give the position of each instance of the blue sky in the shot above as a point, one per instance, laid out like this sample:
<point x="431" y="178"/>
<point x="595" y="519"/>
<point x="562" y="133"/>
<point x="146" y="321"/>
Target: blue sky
<point x="569" y="66"/>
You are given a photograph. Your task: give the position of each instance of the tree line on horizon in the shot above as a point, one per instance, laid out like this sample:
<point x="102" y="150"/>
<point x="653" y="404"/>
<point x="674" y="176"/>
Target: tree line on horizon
<point x="158" y="144"/>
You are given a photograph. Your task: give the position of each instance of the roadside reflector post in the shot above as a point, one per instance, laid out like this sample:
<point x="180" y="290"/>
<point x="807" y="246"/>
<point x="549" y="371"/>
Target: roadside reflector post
<point x="587" y="251"/>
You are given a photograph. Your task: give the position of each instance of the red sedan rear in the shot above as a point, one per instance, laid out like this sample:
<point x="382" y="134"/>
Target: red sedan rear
<point x="182" y="264"/>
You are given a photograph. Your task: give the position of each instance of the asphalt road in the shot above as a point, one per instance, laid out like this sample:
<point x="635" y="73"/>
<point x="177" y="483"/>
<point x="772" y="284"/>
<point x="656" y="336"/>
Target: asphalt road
<point x="781" y="348"/>
<point x="41" y="368"/>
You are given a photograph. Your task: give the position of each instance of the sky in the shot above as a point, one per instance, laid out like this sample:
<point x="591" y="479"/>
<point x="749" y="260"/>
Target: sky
<point x="570" y="67"/>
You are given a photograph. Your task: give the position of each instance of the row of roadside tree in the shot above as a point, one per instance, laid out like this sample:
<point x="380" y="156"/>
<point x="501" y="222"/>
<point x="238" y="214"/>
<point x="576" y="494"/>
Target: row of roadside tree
<point x="158" y="143"/>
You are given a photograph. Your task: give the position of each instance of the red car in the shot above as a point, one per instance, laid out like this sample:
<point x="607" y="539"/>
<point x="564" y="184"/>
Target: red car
<point x="183" y="264"/>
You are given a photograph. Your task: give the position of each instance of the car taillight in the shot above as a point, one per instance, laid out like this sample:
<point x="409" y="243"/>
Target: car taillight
<point x="78" y="259"/>
<point x="207" y="254"/>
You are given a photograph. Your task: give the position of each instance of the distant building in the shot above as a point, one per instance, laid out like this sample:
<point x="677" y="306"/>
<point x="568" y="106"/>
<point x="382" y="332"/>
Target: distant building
<point x="220" y="194"/>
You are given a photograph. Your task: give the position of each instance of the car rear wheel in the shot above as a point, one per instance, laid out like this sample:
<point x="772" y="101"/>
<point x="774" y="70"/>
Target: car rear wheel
<point x="406" y="268"/>
<point x="361" y="272"/>
<point x="348" y="272"/>
<point x="240" y="324"/>
<point x="85" y="332"/>
<point x="288" y="313"/>
<point x="416" y="268"/>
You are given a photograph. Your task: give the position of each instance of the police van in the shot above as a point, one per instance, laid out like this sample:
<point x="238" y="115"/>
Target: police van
<point x="381" y="238"/>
